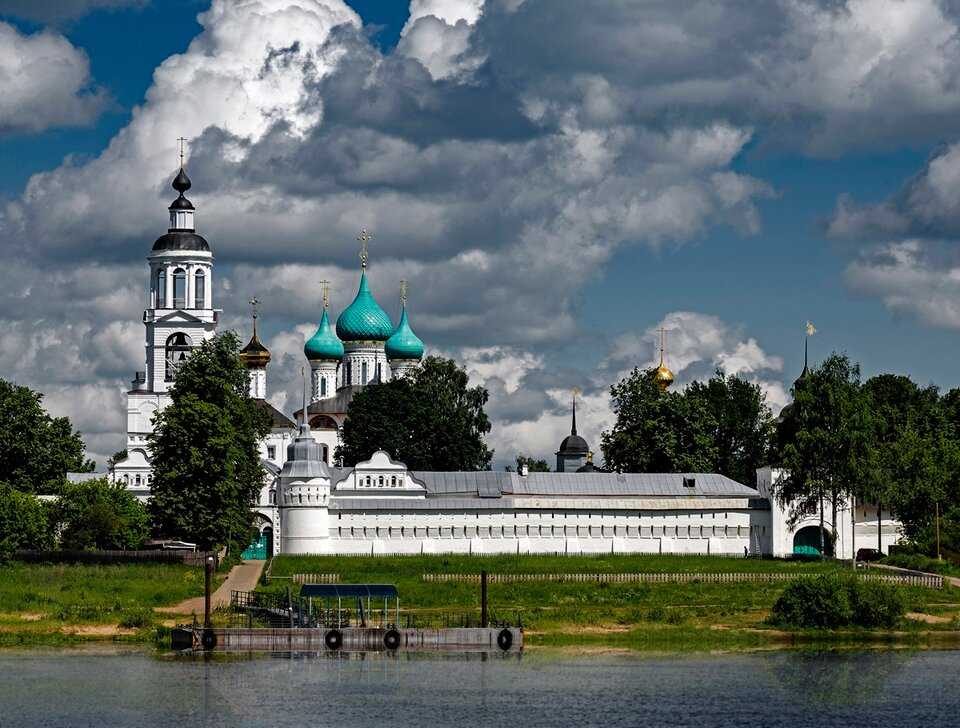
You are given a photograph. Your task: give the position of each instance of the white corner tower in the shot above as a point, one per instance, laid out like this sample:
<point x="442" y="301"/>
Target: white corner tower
<point x="303" y="488"/>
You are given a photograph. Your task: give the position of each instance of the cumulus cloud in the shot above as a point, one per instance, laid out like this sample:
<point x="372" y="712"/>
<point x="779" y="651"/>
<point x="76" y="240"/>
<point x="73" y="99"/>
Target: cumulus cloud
<point x="45" y="82"/>
<point x="913" y="278"/>
<point x="501" y="167"/>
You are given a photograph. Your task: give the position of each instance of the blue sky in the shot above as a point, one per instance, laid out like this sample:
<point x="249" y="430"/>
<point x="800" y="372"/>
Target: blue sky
<point x="567" y="197"/>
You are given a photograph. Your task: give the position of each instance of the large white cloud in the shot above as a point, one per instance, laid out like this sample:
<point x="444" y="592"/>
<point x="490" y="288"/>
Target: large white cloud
<point x="501" y="167"/>
<point x="45" y="82"/>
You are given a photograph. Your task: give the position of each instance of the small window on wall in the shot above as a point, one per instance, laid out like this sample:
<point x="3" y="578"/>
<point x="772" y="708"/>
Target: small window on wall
<point x="363" y="373"/>
<point x="271" y="452"/>
<point x="199" y="289"/>
<point x="323" y="386"/>
<point x="179" y="288"/>
<point x="325" y="454"/>
<point x="161" y="288"/>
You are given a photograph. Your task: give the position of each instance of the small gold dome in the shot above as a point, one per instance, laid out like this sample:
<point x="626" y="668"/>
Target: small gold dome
<point x="663" y="376"/>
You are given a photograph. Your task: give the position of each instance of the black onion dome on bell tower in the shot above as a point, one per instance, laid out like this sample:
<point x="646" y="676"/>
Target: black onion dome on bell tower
<point x="182" y="236"/>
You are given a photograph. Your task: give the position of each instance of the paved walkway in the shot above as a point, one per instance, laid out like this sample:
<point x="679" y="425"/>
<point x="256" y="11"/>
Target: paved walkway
<point x="243" y="577"/>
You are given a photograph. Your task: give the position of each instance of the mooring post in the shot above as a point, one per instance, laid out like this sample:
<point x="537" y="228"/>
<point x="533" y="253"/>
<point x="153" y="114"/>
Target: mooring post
<point x="208" y="581"/>
<point x="483" y="599"/>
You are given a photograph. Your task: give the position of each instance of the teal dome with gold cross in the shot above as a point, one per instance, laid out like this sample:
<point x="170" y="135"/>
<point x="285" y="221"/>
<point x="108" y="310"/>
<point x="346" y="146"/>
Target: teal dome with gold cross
<point x="364" y="320"/>
<point x="324" y="344"/>
<point x="404" y="344"/>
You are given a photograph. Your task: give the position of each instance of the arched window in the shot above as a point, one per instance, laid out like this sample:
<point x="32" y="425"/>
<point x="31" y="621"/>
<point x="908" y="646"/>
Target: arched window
<point x="199" y="289"/>
<point x="137" y="479"/>
<point x="178" y="348"/>
<point x="323" y="386"/>
<point x="179" y="288"/>
<point x="363" y="373"/>
<point x="161" y="288"/>
<point x="393" y="481"/>
<point x="378" y="379"/>
<point x="380" y="483"/>
<point x="326" y="453"/>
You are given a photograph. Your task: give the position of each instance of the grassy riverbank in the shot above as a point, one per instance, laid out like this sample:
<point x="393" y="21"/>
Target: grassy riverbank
<point x="52" y="604"/>
<point x="695" y="615"/>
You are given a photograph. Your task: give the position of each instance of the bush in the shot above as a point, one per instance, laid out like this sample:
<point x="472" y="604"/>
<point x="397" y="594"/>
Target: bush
<point x="136" y="618"/>
<point x="876" y="604"/>
<point x="830" y="601"/>
<point x="821" y="602"/>
<point x="23" y="522"/>
<point x="97" y="514"/>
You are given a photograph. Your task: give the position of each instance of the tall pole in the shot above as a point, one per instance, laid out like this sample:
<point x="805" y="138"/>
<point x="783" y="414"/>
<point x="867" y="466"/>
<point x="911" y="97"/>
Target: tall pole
<point x="483" y="599"/>
<point x="879" y="528"/>
<point x="208" y="581"/>
<point x="853" y="531"/>
<point x="937" y="527"/>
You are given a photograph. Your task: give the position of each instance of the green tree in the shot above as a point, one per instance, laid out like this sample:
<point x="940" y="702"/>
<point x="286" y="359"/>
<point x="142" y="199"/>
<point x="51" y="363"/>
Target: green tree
<point x="743" y="424"/>
<point x="826" y="438"/>
<point x="23" y="522"/>
<point x="916" y="452"/>
<point x="36" y="450"/>
<point x="207" y="472"/>
<point x="97" y="514"/>
<point x="658" y="431"/>
<point x="431" y="419"/>
<point x="533" y="465"/>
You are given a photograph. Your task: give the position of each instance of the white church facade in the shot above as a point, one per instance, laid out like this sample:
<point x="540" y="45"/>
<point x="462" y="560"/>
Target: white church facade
<point x="310" y="504"/>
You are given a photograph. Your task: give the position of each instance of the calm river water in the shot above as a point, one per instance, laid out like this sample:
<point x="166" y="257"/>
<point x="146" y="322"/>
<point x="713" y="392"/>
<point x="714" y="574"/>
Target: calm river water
<point x="875" y="689"/>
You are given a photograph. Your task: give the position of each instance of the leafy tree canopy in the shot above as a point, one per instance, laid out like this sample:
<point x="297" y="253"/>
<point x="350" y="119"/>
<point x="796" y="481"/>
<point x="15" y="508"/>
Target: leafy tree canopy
<point x="36" y="450"/>
<point x="533" y="465"/>
<point x="97" y="514"/>
<point x="431" y="419"/>
<point x="826" y="437"/>
<point x="23" y="522"/>
<point x="207" y="472"/>
<point x="658" y="431"/>
<point x="743" y="424"/>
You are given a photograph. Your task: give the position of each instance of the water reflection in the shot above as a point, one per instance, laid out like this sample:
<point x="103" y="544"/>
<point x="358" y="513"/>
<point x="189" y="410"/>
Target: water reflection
<point x="837" y="678"/>
<point x="540" y="688"/>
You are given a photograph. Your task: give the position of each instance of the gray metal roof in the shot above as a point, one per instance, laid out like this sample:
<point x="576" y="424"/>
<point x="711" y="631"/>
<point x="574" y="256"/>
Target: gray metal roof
<point x="628" y="484"/>
<point x="458" y="489"/>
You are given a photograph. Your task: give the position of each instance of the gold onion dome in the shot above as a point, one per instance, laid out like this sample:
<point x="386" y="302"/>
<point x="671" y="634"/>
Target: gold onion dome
<point x="662" y="374"/>
<point x="255" y="355"/>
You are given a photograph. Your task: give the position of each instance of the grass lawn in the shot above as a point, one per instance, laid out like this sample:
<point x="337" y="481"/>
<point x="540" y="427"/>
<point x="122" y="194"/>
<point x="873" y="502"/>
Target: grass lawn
<point x="62" y="603"/>
<point x="653" y="616"/>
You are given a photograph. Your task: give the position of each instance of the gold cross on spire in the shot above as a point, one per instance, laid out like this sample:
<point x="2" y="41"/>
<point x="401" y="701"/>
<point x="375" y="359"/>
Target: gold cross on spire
<point x="364" y="237"/>
<point x="576" y="393"/>
<point x="254" y="302"/>
<point x="325" y="287"/>
<point x="181" y="141"/>
<point x="663" y="337"/>
<point x="403" y="293"/>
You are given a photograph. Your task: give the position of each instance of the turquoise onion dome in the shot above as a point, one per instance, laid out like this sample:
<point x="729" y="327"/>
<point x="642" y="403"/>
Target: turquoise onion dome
<point x="364" y="320"/>
<point x="404" y="344"/>
<point x="324" y="345"/>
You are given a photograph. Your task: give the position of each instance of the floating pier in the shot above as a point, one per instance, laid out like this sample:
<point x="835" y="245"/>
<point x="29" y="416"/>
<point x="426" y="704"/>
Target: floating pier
<point x="348" y="639"/>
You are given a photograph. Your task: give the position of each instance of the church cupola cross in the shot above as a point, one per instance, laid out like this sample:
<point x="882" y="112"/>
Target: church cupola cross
<point x="364" y="238"/>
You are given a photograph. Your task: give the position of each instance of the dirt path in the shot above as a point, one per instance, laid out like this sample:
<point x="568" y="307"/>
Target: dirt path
<point x="243" y="577"/>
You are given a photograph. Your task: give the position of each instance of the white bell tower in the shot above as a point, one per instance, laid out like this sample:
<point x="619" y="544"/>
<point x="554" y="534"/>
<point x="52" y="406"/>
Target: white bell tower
<point x="179" y="316"/>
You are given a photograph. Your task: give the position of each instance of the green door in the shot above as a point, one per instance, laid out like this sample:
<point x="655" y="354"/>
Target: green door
<point x="256" y="550"/>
